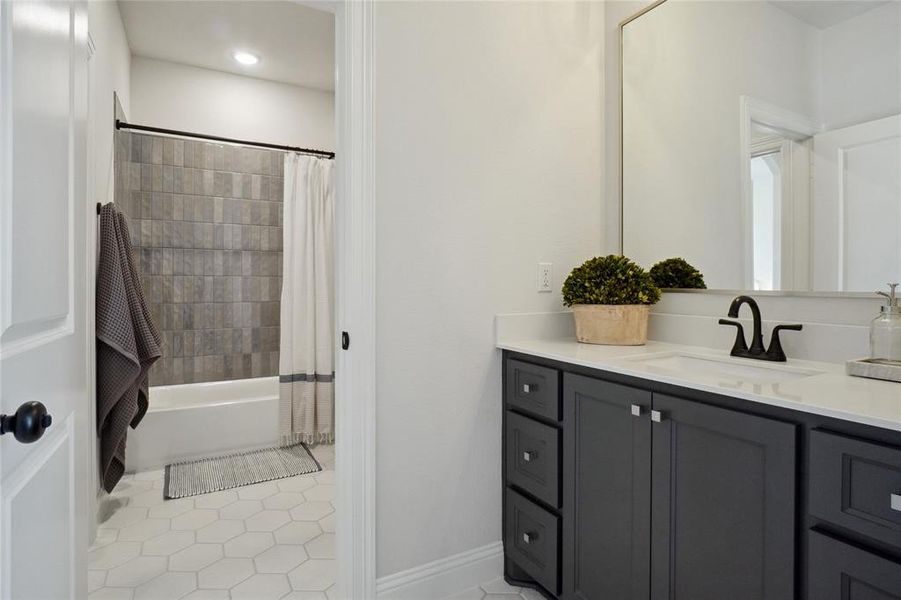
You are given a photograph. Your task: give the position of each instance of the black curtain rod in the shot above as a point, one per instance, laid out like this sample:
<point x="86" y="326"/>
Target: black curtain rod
<point x="216" y="138"/>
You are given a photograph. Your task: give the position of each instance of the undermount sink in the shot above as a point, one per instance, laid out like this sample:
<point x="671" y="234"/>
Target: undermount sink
<point x="727" y="371"/>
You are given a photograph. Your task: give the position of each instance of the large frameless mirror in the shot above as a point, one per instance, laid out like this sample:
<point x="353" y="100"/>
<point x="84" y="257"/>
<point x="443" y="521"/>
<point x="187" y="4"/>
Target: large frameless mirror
<point x="762" y="142"/>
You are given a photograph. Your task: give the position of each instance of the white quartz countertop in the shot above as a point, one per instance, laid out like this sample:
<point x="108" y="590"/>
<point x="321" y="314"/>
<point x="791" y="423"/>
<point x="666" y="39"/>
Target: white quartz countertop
<point x="822" y="388"/>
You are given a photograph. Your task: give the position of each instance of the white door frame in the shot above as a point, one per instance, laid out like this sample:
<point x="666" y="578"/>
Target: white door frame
<point x="355" y="374"/>
<point x="794" y="208"/>
<point x="791" y="124"/>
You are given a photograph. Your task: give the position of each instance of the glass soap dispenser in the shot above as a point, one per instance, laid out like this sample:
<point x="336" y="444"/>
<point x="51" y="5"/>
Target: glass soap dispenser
<point x="885" y="330"/>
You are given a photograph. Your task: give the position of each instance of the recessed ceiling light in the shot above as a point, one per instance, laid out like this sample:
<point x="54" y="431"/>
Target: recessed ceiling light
<point x="246" y="58"/>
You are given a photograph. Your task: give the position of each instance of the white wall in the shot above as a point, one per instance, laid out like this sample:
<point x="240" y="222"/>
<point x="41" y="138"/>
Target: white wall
<point x="176" y="96"/>
<point x="488" y="160"/>
<point x="688" y="63"/>
<point x="109" y="71"/>
<point x="861" y="68"/>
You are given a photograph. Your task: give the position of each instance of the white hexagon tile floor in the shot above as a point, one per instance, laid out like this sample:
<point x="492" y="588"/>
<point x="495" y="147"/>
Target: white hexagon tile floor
<point x="272" y="540"/>
<point x="268" y="541"/>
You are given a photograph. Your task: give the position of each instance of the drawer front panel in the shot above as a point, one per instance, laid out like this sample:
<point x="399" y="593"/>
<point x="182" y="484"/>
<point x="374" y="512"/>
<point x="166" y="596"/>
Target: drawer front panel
<point x="857" y="485"/>
<point x="533" y="457"/>
<point x="838" y="571"/>
<point x="533" y="389"/>
<point x="531" y="541"/>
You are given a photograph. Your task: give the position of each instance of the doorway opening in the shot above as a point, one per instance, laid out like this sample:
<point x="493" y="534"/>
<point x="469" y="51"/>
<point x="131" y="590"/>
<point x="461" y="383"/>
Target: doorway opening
<point x="223" y="169"/>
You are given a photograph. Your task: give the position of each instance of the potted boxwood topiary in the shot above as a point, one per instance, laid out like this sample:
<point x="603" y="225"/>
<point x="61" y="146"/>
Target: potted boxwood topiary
<point x="610" y="297"/>
<point x="677" y="273"/>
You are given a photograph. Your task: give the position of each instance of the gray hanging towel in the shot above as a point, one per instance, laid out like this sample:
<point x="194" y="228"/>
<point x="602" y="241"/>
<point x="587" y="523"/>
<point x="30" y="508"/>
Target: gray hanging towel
<point x="128" y="343"/>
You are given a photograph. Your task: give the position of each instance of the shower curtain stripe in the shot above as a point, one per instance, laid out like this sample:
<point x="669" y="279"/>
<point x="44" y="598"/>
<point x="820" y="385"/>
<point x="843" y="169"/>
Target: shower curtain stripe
<point x="306" y="377"/>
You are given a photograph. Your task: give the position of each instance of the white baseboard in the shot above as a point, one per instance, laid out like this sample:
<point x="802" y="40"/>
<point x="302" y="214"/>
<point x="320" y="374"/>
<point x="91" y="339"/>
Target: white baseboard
<point x="444" y="577"/>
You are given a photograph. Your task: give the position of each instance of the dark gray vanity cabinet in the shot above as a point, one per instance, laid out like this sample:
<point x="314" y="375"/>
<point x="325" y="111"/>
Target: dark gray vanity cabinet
<point x="723" y="504"/>
<point x="663" y="498"/>
<point x="618" y="488"/>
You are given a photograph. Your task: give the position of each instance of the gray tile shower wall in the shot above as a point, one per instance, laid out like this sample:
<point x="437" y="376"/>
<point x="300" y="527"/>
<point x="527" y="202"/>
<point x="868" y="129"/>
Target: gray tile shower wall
<point x="206" y="225"/>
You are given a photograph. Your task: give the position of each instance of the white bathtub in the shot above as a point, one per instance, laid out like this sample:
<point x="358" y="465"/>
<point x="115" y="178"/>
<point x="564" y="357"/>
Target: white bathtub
<point x="201" y="419"/>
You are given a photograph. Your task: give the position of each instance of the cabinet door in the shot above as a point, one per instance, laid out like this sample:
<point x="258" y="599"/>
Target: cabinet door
<point x="723" y="509"/>
<point x="606" y="497"/>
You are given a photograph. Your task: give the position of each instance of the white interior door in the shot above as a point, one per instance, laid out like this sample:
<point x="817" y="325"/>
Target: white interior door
<point x="857" y="206"/>
<point x="43" y="110"/>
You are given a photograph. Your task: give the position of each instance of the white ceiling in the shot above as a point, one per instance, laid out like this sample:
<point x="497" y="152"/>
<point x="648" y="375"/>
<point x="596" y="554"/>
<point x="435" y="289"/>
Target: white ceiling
<point x="295" y="43"/>
<point x="826" y="13"/>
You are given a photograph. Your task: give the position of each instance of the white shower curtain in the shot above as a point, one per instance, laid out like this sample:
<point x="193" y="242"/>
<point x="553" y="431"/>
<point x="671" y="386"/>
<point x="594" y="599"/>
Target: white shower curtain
<point x="307" y="352"/>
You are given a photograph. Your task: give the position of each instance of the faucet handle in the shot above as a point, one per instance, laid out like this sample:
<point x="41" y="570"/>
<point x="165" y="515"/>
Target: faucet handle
<point x="775" y="351"/>
<point x="740" y="347"/>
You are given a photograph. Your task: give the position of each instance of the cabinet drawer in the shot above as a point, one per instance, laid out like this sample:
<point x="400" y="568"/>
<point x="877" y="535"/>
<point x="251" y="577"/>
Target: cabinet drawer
<point x="533" y="389"/>
<point x="838" y="571"/>
<point x="533" y="457"/>
<point x="532" y="540"/>
<point x="857" y="485"/>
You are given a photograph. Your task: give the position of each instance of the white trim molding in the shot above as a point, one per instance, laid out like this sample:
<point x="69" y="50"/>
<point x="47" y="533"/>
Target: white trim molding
<point x="787" y="123"/>
<point x="445" y="577"/>
<point x="355" y="374"/>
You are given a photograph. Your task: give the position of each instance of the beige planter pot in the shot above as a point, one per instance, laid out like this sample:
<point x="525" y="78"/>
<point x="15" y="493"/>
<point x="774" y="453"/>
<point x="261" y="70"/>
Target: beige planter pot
<point x="612" y="324"/>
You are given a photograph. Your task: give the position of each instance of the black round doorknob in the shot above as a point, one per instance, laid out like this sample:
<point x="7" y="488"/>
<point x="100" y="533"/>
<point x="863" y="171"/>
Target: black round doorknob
<point x="28" y="423"/>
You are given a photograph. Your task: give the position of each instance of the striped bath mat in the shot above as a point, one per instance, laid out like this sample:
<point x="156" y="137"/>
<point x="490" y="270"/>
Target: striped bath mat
<point x="207" y="475"/>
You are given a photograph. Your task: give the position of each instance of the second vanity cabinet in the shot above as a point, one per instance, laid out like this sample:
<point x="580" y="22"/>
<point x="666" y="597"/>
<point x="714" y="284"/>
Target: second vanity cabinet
<point x="620" y="490"/>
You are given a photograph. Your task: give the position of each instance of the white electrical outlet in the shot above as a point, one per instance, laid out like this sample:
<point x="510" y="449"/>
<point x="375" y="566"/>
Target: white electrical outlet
<point x="545" y="276"/>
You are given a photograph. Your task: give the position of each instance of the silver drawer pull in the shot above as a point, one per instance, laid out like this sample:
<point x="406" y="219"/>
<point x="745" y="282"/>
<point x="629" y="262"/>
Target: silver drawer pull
<point x="528" y="456"/>
<point x="896" y="502"/>
<point x="529" y="537"/>
<point x="528" y="388"/>
<point x="656" y="416"/>
<point x="636" y="410"/>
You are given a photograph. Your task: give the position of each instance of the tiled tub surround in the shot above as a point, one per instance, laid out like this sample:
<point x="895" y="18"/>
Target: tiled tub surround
<point x="206" y="223"/>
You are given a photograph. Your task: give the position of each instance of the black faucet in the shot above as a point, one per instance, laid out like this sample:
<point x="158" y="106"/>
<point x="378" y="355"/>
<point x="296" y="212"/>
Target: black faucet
<point x="740" y="348"/>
